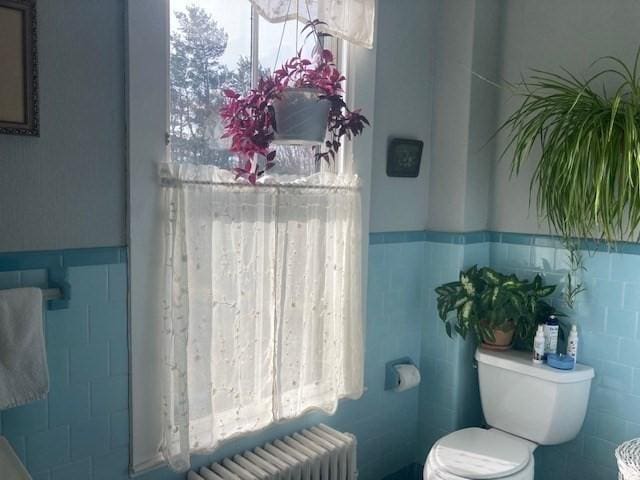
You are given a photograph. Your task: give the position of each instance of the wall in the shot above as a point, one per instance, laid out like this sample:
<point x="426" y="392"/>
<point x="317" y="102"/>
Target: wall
<point x="482" y="115"/>
<point x="81" y="431"/>
<point x="450" y="115"/>
<point x="402" y="109"/>
<point x="83" y="425"/>
<point x="551" y="34"/>
<point x="607" y="319"/>
<point x="449" y="397"/>
<point x="66" y="189"/>
<point x="572" y="34"/>
<point x="480" y="43"/>
<point x="479" y="47"/>
<point x="463" y="115"/>
<point x="607" y="315"/>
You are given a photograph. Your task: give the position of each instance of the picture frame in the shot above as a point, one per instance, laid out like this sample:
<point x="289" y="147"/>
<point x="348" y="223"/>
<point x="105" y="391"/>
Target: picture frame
<point x="403" y="157"/>
<point x="19" y="108"/>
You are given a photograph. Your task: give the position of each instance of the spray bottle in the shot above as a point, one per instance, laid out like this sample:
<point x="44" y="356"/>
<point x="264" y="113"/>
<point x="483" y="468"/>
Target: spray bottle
<point x="538" y="346"/>
<point x="572" y="344"/>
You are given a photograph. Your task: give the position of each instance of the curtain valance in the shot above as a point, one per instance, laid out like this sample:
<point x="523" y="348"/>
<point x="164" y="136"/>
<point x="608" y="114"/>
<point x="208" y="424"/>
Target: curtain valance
<point x="351" y="20"/>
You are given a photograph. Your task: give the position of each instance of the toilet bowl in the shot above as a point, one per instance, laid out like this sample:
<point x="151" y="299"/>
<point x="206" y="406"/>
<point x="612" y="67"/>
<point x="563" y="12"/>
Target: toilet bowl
<point x="476" y="453"/>
<point x="525" y="405"/>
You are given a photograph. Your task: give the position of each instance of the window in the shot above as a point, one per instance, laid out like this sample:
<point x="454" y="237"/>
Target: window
<point x="155" y="438"/>
<point x="218" y="44"/>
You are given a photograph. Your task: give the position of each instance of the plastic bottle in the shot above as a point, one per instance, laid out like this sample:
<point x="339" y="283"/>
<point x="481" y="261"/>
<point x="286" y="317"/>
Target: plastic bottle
<point x="551" y="328"/>
<point x="538" y="345"/>
<point x="572" y="344"/>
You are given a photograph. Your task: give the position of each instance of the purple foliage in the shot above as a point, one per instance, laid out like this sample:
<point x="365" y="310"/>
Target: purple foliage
<point x="250" y="119"/>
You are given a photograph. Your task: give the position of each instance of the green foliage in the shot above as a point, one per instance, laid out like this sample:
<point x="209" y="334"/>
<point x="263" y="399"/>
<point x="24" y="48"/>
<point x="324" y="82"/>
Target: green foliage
<point x="588" y="177"/>
<point x="485" y="300"/>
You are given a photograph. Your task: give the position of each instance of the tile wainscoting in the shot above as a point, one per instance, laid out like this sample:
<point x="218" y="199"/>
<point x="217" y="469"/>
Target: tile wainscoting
<point x="82" y="430"/>
<point x="607" y="318"/>
<point x="83" y="425"/>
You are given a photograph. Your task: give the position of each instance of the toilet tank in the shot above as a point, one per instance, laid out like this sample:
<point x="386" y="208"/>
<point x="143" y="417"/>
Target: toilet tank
<point x="536" y="402"/>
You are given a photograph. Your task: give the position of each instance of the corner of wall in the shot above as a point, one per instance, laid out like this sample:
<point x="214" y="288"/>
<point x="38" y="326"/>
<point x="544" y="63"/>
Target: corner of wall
<point x="449" y="396"/>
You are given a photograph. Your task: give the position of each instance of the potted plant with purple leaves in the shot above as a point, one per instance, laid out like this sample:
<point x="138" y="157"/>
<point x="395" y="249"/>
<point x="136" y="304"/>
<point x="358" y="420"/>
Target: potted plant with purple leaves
<point x="301" y="103"/>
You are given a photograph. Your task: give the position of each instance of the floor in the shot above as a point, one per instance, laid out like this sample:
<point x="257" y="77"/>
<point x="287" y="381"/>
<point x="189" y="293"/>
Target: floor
<point x="412" y="471"/>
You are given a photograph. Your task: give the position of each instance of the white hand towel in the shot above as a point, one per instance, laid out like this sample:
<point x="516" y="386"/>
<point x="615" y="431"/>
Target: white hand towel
<point x="24" y="376"/>
<point x="10" y="465"/>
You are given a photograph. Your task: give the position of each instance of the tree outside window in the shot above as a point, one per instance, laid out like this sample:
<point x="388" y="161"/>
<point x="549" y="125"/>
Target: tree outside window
<point x="208" y="54"/>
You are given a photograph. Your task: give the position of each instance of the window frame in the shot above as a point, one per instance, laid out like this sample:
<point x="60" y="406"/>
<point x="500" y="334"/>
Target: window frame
<point x="147" y="83"/>
<point x="335" y="45"/>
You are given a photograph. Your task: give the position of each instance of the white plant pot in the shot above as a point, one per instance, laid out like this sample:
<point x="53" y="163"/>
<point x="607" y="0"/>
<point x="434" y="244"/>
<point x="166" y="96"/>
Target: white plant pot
<point x="301" y="117"/>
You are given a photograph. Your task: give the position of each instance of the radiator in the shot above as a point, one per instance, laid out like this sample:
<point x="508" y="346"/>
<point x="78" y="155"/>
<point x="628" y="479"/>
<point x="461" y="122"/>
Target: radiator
<point x="317" y="453"/>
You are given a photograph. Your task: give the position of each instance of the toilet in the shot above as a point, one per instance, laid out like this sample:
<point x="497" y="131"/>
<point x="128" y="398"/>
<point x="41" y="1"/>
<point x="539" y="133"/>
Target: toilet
<point x="525" y="405"/>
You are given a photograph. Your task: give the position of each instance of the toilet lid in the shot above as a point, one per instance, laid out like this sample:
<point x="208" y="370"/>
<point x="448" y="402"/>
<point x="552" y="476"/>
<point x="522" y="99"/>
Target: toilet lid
<point x="476" y="453"/>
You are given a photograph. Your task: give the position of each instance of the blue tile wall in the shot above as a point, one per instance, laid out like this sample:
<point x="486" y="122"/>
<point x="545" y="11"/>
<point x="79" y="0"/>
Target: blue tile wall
<point x="449" y="397"/>
<point x="607" y="316"/>
<point x="81" y="431"/>
<point x="607" y="319"/>
<point x="439" y="354"/>
<point x="66" y="435"/>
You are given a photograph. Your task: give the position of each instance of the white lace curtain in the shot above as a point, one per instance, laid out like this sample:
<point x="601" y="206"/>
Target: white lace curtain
<point x="262" y="313"/>
<point x="351" y="20"/>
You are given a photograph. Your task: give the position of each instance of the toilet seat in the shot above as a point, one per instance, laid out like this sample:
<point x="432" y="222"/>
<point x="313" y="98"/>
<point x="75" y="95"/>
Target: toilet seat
<point x="475" y="454"/>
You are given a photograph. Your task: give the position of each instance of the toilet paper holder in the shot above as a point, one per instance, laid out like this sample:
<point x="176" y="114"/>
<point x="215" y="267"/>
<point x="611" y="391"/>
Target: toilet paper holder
<point x="391" y="375"/>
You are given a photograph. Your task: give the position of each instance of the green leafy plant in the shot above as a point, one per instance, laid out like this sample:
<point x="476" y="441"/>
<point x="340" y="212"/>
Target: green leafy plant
<point x="588" y="177"/>
<point x="485" y="300"/>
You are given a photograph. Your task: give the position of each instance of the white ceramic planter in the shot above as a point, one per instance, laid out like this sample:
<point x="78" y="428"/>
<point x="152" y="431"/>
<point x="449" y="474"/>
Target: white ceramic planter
<point x="301" y="117"/>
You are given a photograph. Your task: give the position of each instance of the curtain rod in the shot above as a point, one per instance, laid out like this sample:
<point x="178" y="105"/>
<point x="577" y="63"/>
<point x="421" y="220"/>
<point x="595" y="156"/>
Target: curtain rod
<point x="172" y="183"/>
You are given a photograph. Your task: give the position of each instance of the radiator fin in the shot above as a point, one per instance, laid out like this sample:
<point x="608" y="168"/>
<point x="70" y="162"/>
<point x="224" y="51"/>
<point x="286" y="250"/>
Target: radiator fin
<point x="317" y="453"/>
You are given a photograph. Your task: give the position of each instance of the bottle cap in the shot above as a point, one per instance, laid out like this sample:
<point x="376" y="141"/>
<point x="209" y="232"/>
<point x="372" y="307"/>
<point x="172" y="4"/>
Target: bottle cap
<point x="574" y="329"/>
<point x="540" y="329"/>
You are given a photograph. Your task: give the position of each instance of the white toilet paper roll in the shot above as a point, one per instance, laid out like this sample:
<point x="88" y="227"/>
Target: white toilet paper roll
<point x="408" y="377"/>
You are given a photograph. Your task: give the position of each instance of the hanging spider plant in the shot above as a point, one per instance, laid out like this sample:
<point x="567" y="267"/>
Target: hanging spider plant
<point x="588" y="176"/>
